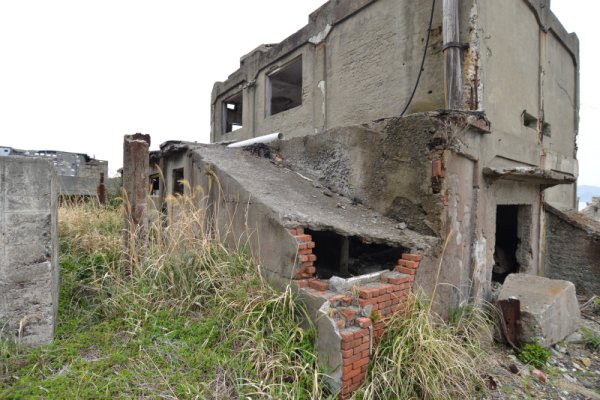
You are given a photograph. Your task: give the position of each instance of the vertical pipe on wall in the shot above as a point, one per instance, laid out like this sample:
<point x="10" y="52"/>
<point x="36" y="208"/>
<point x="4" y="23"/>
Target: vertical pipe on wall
<point x="453" y="56"/>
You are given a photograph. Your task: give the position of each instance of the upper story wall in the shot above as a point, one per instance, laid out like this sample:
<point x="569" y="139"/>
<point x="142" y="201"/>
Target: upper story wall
<point x="360" y="60"/>
<point x="525" y="73"/>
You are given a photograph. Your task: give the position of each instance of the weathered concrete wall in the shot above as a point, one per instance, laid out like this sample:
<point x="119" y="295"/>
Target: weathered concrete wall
<point x="29" y="273"/>
<point x="78" y="186"/>
<point x="386" y="166"/>
<point x="573" y="250"/>
<point x="79" y="174"/>
<point x="360" y="61"/>
<point x="530" y="64"/>
<point x="373" y="60"/>
<point x="244" y="222"/>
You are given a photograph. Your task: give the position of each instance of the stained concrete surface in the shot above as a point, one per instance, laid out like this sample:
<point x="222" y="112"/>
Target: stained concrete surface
<point x="297" y="200"/>
<point x="29" y="274"/>
<point x="549" y="307"/>
<point x="384" y="165"/>
<point x="573" y="249"/>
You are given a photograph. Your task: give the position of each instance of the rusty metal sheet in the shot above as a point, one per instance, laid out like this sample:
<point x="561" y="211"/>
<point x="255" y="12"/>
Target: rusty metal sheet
<point x="510" y="310"/>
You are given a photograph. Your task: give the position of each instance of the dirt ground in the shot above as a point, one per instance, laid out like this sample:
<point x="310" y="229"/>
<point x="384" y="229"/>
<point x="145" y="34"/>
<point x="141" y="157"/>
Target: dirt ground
<point x="572" y="372"/>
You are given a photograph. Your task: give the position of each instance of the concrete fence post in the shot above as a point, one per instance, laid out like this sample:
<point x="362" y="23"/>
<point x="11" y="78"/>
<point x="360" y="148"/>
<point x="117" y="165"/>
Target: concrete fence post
<point x="135" y="187"/>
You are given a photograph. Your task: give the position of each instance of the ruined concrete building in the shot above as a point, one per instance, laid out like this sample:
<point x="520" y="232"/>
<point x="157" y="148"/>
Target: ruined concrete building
<point x="373" y="180"/>
<point x="78" y="174"/>
<point x="593" y="209"/>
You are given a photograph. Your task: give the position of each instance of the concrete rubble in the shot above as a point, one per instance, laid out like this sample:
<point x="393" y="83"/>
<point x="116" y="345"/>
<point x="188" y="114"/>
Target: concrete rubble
<point x="549" y="307"/>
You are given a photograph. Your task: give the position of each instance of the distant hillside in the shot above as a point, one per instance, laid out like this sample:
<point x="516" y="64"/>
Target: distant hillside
<point x="585" y="192"/>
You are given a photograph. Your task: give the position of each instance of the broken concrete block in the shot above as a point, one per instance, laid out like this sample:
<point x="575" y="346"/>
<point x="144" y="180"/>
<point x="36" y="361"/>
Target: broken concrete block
<point x="549" y="308"/>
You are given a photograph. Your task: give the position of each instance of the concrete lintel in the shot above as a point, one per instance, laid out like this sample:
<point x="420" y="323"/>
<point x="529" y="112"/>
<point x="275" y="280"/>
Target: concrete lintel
<point x="534" y="175"/>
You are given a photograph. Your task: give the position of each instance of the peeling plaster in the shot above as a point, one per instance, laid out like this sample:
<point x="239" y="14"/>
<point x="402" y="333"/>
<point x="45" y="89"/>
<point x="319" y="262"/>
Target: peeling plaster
<point x="479" y="266"/>
<point x="323" y="86"/>
<point x="319" y="37"/>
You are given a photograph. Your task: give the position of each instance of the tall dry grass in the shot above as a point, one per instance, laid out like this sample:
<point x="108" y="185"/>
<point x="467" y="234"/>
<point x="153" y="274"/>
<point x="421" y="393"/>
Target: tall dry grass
<point x="185" y="270"/>
<point x="424" y="357"/>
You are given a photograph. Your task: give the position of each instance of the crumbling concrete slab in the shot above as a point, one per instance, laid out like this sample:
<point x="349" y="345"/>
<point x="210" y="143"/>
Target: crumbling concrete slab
<point x="549" y="308"/>
<point x="297" y="200"/>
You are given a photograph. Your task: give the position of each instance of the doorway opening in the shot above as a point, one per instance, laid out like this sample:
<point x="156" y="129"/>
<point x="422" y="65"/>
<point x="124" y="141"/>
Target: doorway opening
<point x="513" y="252"/>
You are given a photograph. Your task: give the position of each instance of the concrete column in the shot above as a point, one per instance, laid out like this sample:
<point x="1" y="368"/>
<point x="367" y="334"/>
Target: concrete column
<point x="135" y="187"/>
<point x="248" y="117"/>
<point x="29" y="273"/>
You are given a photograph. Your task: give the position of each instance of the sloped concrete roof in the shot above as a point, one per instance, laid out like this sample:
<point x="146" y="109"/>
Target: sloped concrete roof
<point x="300" y="200"/>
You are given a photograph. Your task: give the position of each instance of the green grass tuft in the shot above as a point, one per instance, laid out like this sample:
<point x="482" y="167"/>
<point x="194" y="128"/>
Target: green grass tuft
<point x="534" y="354"/>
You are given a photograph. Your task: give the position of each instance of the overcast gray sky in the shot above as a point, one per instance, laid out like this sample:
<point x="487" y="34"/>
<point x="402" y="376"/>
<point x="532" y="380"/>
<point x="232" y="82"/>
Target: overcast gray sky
<point x="77" y="75"/>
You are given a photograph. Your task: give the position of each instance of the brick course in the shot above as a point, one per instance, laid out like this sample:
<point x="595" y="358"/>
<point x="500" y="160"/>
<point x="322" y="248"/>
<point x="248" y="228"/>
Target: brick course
<point x="305" y="257"/>
<point x="360" y="315"/>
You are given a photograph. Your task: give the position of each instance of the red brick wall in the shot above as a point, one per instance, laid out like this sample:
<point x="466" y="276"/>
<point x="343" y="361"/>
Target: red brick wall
<point x="306" y="259"/>
<point x="360" y="315"/>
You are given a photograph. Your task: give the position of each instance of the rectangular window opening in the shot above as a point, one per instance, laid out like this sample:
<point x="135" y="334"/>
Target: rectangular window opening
<point x="284" y="87"/>
<point x="154" y="184"/>
<point x="344" y="256"/>
<point x="178" y="185"/>
<point x="232" y="113"/>
<point x="531" y="122"/>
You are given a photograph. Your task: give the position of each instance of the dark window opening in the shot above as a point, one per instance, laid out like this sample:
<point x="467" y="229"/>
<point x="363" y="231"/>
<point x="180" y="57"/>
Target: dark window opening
<point x="154" y="185"/>
<point x="284" y="87"/>
<point x="232" y="113"/>
<point x="546" y="129"/>
<point x="507" y="242"/>
<point x="531" y="122"/>
<point x="178" y="185"/>
<point x="344" y="256"/>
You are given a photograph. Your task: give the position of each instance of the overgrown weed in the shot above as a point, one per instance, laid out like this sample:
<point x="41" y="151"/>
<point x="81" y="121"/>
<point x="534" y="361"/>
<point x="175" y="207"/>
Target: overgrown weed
<point x="189" y="318"/>
<point x="423" y="357"/>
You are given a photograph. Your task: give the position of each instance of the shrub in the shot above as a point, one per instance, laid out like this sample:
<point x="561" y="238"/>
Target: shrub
<point x="534" y="354"/>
